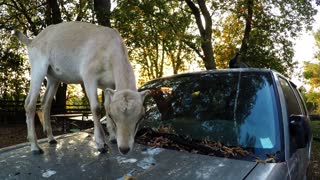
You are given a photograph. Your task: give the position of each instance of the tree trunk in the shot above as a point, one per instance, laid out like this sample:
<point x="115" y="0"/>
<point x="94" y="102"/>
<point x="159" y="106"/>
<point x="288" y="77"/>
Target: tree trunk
<point x="247" y="30"/>
<point x="102" y="9"/>
<point x="59" y="105"/>
<point x="53" y="16"/>
<point x="205" y="32"/>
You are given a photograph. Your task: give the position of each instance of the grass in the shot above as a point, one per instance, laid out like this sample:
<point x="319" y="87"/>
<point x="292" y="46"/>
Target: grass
<point x="315" y="162"/>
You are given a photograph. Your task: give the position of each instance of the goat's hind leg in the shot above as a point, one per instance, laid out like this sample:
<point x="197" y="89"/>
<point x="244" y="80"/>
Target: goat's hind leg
<point x="51" y="89"/>
<point x="37" y="76"/>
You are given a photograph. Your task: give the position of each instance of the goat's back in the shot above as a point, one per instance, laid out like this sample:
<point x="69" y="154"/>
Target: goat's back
<point x="73" y="35"/>
<point x="74" y="49"/>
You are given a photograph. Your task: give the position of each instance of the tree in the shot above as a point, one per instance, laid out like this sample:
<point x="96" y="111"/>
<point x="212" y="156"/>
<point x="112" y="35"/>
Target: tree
<point x="266" y="30"/>
<point x="205" y="32"/>
<point x="102" y="9"/>
<point x="12" y="70"/>
<point x="312" y="76"/>
<point x="53" y="13"/>
<point x="154" y="32"/>
<point x="13" y="65"/>
<point x="248" y="26"/>
<point x="316" y="36"/>
<point x="312" y="70"/>
<point x="169" y="36"/>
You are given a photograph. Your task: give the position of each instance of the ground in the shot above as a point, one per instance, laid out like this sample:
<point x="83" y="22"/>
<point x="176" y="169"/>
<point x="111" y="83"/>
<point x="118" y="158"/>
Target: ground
<point x="17" y="133"/>
<point x="12" y="134"/>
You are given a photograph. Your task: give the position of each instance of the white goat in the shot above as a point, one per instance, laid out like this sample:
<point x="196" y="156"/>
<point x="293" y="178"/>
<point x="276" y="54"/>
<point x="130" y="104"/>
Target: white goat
<point x="77" y="52"/>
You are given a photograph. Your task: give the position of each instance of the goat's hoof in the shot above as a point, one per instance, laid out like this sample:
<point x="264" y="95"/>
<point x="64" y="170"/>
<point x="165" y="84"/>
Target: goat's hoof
<point x="37" y="152"/>
<point x="113" y="141"/>
<point x="53" y="141"/>
<point x="104" y="149"/>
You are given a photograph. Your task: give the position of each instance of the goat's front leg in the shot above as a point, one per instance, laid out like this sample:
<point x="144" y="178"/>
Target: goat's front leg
<point x="99" y="135"/>
<point x="111" y="130"/>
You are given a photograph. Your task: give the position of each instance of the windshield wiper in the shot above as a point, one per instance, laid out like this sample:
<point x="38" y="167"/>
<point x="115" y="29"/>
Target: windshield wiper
<point x="156" y="138"/>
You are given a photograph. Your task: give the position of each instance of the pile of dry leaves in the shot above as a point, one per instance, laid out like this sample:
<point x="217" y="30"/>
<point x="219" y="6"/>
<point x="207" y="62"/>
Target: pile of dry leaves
<point x="165" y="137"/>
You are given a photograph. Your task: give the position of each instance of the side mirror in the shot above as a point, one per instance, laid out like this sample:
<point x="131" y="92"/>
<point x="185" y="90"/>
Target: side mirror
<point x="299" y="127"/>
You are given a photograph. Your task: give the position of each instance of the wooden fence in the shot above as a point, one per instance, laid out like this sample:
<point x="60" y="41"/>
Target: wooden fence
<point x="13" y="111"/>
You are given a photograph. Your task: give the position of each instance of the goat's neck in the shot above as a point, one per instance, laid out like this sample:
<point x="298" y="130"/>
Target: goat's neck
<point x="124" y="75"/>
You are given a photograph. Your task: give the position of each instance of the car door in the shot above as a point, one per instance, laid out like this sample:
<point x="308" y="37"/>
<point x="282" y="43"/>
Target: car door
<point x="297" y="161"/>
<point x="303" y="153"/>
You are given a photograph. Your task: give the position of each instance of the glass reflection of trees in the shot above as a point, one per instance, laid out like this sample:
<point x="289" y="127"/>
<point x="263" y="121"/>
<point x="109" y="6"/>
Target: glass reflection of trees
<point x="211" y="105"/>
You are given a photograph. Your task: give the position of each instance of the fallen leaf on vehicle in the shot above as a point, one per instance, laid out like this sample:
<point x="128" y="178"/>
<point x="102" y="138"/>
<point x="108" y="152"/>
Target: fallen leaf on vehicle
<point x="166" y="129"/>
<point x="268" y="160"/>
<point x="126" y="177"/>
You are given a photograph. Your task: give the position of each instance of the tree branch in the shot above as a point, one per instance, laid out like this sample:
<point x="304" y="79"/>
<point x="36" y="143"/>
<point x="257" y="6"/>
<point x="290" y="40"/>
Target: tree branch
<point x="207" y="18"/>
<point x="193" y="47"/>
<point x="197" y="15"/>
<point x="23" y="10"/>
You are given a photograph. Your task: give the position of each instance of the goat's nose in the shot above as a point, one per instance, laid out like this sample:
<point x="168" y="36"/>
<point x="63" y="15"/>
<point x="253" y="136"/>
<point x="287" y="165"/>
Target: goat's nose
<point x="124" y="150"/>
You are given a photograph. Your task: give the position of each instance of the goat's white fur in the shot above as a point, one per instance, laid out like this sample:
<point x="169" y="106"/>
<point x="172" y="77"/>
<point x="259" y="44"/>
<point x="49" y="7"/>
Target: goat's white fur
<point x="76" y="52"/>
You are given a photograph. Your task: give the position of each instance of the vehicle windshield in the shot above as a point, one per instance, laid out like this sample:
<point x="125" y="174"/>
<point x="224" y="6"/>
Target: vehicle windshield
<point x="234" y="108"/>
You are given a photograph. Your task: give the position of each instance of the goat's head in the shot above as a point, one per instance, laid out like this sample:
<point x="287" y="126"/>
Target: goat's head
<point x="125" y="109"/>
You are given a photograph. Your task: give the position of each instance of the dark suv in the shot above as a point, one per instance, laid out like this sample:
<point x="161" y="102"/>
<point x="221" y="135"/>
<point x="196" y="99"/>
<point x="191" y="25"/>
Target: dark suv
<point x="220" y="124"/>
<point x="258" y="110"/>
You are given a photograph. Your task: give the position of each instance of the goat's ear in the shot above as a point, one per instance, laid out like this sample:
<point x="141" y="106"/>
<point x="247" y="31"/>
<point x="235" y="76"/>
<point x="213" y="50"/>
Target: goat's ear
<point x="144" y="93"/>
<point x="108" y="93"/>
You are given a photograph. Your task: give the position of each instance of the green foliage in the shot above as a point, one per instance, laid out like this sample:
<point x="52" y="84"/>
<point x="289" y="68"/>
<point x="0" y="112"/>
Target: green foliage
<point x="163" y="37"/>
<point x="76" y="95"/>
<point x="312" y="70"/>
<point x="316" y="36"/>
<point x="12" y="72"/>
<point x="154" y="32"/>
<point x="312" y="76"/>
<point x="275" y="24"/>
<point x="29" y="17"/>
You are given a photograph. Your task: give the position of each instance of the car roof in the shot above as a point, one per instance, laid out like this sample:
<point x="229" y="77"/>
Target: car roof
<point x="215" y="71"/>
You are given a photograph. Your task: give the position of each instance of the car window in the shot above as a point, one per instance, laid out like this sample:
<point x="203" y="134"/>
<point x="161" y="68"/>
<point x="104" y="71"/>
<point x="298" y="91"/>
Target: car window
<point x="293" y="107"/>
<point x="301" y="101"/>
<point x="290" y="98"/>
<point x="237" y="109"/>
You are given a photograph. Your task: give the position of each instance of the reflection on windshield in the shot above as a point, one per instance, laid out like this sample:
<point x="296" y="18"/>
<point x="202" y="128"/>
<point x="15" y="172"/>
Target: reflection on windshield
<point x="235" y="108"/>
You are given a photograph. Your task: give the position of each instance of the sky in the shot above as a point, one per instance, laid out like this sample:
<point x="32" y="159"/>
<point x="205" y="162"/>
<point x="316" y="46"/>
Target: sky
<point x="305" y="47"/>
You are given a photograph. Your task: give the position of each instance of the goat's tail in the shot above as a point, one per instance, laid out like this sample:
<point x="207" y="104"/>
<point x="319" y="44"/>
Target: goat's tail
<point x="23" y="38"/>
